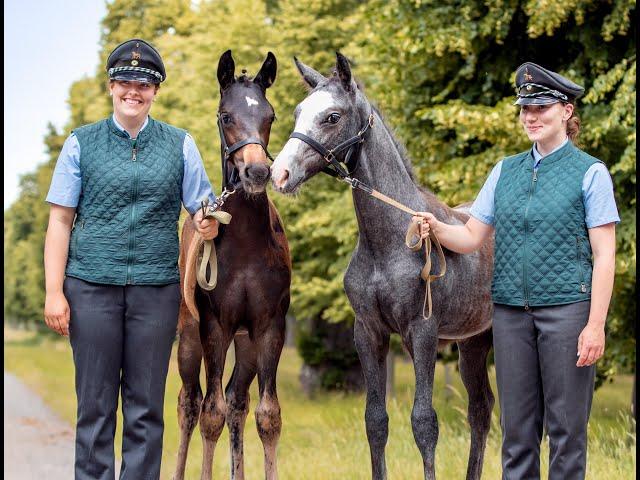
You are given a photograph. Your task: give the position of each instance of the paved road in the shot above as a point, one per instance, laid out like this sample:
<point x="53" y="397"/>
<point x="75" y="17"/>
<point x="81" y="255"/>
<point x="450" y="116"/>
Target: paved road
<point x="37" y="444"/>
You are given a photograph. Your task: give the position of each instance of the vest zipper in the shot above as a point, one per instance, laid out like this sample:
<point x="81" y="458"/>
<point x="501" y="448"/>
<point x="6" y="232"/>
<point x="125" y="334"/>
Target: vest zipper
<point x="526" y="228"/>
<point x="583" y="286"/>
<point x="132" y="217"/>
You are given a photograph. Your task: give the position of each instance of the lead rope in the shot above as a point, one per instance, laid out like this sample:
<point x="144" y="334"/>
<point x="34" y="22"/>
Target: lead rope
<point x="415" y="245"/>
<point x="208" y="254"/>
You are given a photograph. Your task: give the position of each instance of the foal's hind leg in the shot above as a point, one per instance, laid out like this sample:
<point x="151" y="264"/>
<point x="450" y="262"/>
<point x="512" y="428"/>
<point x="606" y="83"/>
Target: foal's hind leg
<point x="372" y="347"/>
<point x="473" y="370"/>
<point x="190" y="396"/>
<point x="268" y="420"/>
<point x="237" y="396"/>
<point x="215" y="343"/>
<point x="423" y="342"/>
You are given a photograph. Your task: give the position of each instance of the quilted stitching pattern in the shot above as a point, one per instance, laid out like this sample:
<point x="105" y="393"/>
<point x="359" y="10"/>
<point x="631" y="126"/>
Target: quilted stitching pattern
<point x="128" y="211"/>
<point x="542" y="250"/>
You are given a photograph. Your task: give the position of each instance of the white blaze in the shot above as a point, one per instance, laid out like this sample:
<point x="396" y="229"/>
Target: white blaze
<point x="251" y="101"/>
<point x="310" y="108"/>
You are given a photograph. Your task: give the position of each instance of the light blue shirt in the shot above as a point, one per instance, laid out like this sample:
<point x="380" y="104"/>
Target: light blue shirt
<point x="67" y="176"/>
<point x="597" y="194"/>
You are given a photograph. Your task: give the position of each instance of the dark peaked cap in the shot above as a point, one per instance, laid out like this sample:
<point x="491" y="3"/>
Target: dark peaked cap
<point x="137" y="61"/>
<point x="538" y="86"/>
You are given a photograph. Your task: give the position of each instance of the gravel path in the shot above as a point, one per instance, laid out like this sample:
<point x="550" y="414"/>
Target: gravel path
<point x="37" y="444"/>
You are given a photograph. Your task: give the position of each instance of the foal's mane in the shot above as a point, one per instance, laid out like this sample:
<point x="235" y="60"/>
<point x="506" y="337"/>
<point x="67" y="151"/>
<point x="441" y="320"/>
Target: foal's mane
<point x="400" y="148"/>
<point x="402" y="151"/>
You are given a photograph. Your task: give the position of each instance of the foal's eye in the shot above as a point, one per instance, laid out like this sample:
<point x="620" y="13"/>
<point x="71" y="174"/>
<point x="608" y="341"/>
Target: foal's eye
<point x="226" y="118"/>
<point x="333" y="118"/>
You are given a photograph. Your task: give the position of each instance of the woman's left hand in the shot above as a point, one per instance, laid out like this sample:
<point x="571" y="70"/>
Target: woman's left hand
<point x="207" y="227"/>
<point x="590" y="345"/>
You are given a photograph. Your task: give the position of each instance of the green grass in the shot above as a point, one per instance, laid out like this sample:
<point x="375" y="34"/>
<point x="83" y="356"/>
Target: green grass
<point x="324" y="437"/>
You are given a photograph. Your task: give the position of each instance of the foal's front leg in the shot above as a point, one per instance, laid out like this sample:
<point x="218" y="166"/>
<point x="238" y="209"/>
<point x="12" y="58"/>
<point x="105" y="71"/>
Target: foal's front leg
<point x="423" y="343"/>
<point x="215" y="343"/>
<point x="268" y="417"/>
<point x="237" y="396"/>
<point x="372" y="347"/>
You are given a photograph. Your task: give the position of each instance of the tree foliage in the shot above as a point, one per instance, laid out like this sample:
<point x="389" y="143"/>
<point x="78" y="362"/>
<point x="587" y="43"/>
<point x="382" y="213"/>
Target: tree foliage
<point x="442" y="73"/>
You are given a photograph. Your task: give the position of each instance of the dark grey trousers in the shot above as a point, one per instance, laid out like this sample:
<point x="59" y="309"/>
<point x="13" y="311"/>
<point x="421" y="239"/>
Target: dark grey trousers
<point x="121" y="339"/>
<point x="536" y="355"/>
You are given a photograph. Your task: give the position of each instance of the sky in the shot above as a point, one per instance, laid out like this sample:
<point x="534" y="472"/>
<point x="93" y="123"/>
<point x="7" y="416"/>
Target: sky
<point x="48" y="44"/>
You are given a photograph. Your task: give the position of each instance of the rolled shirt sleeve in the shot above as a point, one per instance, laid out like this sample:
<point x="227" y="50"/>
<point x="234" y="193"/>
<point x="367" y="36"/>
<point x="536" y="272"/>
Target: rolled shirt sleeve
<point x="66" y="182"/>
<point x="483" y="207"/>
<point x="195" y="183"/>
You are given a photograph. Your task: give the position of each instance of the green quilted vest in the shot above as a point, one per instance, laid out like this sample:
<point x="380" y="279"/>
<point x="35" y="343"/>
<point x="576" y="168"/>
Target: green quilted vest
<point x="542" y="249"/>
<point x="126" y="228"/>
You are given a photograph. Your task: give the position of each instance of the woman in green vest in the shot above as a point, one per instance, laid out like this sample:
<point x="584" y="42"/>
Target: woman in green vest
<point x="111" y="263"/>
<point x="553" y="212"/>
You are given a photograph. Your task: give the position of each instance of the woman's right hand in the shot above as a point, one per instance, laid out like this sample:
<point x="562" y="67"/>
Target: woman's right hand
<point x="428" y="222"/>
<point x="56" y="313"/>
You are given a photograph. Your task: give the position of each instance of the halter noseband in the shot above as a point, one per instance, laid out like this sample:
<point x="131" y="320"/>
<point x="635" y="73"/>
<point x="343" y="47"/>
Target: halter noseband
<point x="351" y="158"/>
<point x="226" y="151"/>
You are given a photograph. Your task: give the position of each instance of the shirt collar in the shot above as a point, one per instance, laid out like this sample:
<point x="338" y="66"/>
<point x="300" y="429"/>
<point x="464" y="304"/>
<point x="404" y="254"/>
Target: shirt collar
<point x="537" y="156"/>
<point x="146" y="121"/>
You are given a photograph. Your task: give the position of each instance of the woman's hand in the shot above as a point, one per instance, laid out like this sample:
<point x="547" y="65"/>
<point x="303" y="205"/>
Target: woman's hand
<point x="207" y="227"/>
<point x="590" y="345"/>
<point x="56" y="313"/>
<point x="427" y="221"/>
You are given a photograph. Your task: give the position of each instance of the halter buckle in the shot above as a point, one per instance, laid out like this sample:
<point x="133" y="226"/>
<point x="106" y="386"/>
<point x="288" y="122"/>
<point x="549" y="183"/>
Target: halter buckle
<point x="330" y="157"/>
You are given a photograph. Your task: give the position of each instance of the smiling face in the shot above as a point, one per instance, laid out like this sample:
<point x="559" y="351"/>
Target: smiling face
<point x="546" y="125"/>
<point x="132" y="100"/>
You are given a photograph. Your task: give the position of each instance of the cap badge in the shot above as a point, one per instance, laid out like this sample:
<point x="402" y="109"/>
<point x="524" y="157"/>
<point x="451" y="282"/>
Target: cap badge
<point x="135" y="56"/>
<point x="527" y="76"/>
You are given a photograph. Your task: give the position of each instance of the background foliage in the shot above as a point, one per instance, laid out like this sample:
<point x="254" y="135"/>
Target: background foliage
<point x="442" y="73"/>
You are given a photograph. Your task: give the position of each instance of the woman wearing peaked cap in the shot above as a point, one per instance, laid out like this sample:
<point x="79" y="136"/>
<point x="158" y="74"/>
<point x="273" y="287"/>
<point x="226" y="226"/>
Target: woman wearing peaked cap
<point x="553" y="213"/>
<point x="111" y="263"/>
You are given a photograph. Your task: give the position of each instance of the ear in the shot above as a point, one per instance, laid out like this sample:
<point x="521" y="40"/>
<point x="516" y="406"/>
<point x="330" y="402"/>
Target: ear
<point x="226" y="68"/>
<point x="309" y="75"/>
<point x="344" y="72"/>
<point x="568" y="111"/>
<point x="267" y="74"/>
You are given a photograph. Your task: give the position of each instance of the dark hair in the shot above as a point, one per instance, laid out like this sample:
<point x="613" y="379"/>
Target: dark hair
<point x="573" y="127"/>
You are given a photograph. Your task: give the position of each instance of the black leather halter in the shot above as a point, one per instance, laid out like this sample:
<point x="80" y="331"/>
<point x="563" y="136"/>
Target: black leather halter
<point x="233" y="180"/>
<point x="352" y="146"/>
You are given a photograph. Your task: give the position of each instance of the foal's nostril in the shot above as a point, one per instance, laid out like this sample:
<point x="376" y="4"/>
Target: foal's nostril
<point x="280" y="182"/>
<point x="258" y="173"/>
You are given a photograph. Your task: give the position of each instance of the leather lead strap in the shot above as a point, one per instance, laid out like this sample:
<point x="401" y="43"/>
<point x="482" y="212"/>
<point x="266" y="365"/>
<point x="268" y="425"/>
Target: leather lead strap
<point x="208" y="255"/>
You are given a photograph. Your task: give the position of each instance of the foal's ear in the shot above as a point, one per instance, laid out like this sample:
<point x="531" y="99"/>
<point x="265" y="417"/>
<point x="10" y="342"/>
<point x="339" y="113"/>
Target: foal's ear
<point x="267" y="74"/>
<point x="344" y="72"/>
<point x="226" y="69"/>
<point x="309" y="75"/>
